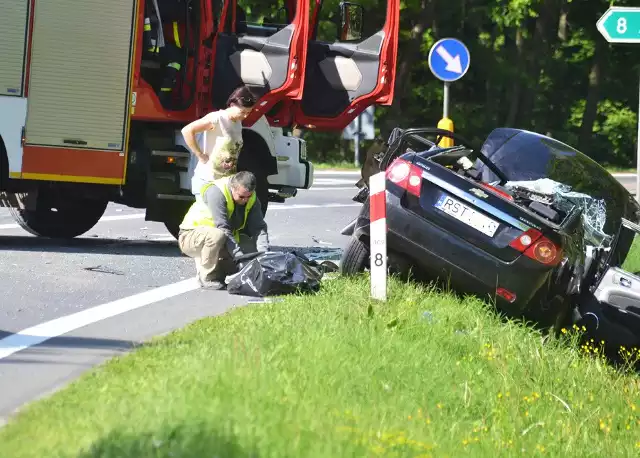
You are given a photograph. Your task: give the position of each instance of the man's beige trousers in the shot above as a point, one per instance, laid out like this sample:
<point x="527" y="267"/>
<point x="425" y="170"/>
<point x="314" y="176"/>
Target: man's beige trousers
<point x="206" y="245"/>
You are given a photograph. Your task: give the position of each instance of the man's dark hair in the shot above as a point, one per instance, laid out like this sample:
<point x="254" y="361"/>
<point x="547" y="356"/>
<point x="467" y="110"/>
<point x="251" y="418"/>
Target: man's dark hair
<point x="244" y="179"/>
<point x="242" y="97"/>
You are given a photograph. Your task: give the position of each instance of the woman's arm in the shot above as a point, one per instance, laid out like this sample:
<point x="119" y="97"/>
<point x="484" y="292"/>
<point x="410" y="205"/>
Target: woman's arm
<point x="189" y="132"/>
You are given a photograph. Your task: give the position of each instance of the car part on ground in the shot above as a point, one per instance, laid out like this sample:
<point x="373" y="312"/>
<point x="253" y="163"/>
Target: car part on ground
<point x="525" y="219"/>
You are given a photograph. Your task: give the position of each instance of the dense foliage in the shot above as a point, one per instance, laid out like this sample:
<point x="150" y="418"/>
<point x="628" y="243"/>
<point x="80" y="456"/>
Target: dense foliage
<point x="535" y="64"/>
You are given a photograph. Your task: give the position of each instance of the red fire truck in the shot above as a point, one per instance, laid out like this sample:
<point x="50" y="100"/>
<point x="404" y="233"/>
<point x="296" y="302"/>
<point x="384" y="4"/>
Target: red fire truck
<point x="86" y="118"/>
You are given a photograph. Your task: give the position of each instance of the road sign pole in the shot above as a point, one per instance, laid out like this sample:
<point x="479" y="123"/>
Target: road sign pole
<point x="449" y="60"/>
<point x="445" y="102"/>
<point x="638" y="145"/>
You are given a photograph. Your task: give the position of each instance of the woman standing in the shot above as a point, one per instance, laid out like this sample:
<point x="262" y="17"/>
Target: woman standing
<point x="221" y="139"/>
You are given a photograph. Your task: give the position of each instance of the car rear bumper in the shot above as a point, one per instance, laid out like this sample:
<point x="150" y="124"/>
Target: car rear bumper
<point x="455" y="260"/>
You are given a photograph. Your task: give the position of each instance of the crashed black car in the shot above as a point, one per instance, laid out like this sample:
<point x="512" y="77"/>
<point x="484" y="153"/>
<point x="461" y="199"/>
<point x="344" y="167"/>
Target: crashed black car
<point x="525" y="219"/>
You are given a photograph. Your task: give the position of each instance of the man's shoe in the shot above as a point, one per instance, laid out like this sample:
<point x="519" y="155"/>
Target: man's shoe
<point x="211" y="284"/>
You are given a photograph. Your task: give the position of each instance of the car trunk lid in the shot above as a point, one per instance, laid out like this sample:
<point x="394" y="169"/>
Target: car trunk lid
<point x="483" y="215"/>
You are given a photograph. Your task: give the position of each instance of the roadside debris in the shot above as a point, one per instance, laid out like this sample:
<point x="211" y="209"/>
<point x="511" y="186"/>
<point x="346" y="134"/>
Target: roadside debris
<point x="317" y="253"/>
<point x="276" y="273"/>
<point x="104" y="270"/>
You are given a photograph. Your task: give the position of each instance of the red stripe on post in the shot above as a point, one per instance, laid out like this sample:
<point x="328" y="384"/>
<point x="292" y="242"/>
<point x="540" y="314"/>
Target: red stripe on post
<point x="378" y="206"/>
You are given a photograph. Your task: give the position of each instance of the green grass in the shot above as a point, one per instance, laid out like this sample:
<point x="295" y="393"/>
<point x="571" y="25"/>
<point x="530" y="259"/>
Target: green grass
<point x="335" y="165"/>
<point x="632" y="262"/>
<point x="336" y="375"/>
<point x="621" y="169"/>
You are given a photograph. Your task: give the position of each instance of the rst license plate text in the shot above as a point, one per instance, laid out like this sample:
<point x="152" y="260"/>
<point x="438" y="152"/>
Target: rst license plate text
<point x="467" y="215"/>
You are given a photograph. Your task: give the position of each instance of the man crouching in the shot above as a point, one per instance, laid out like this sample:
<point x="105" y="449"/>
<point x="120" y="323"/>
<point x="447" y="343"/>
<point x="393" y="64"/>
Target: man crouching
<point x="224" y="223"/>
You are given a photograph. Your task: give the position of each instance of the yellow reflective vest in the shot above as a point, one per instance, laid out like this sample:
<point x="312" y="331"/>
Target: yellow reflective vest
<point x="200" y="216"/>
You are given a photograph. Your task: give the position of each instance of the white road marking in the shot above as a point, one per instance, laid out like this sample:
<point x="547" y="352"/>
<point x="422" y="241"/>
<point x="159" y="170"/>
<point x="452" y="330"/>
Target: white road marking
<point x="168" y="238"/>
<point x="299" y="206"/>
<point x="103" y="219"/>
<point x="335" y="188"/>
<point x="65" y="324"/>
<point x="8" y="226"/>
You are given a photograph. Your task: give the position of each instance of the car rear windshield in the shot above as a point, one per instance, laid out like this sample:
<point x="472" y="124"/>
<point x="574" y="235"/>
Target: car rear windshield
<point x="527" y="156"/>
<point x="524" y="156"/>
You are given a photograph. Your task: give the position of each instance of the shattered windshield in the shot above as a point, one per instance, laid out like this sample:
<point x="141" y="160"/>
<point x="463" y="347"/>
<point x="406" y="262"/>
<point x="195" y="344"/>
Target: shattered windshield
<point x="551" y="167"/>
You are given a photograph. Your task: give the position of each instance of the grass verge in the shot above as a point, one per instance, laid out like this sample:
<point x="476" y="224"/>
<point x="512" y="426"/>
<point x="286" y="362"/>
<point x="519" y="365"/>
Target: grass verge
<point x="337" y="374"/>
<point x="621" y="170"/>
<point x="336" y="165"/>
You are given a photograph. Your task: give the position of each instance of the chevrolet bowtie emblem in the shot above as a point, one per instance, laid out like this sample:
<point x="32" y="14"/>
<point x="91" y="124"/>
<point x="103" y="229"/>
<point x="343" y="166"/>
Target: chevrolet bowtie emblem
<point x="479" y="193"/>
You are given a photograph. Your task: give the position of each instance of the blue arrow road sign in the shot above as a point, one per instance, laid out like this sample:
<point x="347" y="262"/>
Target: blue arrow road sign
<point x="449" y="59"/>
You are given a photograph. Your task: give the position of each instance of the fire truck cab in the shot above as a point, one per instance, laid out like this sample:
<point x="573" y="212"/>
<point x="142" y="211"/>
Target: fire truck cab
<point x="90" y="113"/>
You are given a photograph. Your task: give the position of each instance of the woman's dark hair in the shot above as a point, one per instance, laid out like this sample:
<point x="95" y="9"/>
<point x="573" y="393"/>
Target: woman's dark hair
<point x="242" y="97"/>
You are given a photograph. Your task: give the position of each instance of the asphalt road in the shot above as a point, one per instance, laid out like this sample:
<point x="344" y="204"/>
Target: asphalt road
<point x="67" y="306"/>
<point x="628" y="180"/>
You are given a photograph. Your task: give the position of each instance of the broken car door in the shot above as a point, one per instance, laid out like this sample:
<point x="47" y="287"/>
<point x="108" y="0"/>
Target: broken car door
<point x="348" y="69"/>
<point x="262" y="45"/>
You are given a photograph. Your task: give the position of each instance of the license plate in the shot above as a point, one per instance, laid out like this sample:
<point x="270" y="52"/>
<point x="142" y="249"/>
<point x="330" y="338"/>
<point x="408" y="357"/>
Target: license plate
<point x="467" y="215"/>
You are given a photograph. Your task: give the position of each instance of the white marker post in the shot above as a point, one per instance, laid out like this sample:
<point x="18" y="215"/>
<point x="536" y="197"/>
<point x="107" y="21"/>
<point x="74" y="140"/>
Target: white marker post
<point x="378" y="236"/>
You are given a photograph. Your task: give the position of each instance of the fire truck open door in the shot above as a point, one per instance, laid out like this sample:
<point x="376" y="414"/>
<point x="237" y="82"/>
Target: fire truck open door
<point x="262" y="44"/>
<point x="78" y="89"/>
<point x="348" y="75"/>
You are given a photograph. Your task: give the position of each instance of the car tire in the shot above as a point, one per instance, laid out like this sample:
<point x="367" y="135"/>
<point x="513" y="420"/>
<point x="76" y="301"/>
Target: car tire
<point x="355" y="258"/>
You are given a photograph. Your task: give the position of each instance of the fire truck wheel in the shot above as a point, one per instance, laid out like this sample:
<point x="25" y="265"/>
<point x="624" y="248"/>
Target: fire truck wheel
<point x="262" y="192"/>
<point x="55" y="220"/>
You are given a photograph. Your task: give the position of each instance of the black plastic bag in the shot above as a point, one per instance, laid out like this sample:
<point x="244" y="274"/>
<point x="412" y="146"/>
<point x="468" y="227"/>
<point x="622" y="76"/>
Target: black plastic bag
<point x="276" y="273"/>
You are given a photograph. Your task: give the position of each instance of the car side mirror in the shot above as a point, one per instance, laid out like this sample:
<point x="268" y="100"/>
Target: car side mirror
<point x="350" y="27"/>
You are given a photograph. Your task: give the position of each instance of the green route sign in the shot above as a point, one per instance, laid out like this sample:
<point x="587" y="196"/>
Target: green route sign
<point x="620" y="24"/>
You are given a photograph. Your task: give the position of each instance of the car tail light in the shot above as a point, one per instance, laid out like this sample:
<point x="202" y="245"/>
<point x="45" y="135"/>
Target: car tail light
<point x="537" y="247"/>
<point x="405" y="175"/>
<point x="495" y="190"/>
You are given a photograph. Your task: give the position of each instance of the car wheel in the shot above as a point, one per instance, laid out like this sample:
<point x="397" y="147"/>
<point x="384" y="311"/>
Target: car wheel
<point x="355" y="258"/>
<point x="59" y="217"/>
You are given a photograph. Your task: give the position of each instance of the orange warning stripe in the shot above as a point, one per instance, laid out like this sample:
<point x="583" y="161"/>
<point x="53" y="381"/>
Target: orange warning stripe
<point x="70" y="178"/>
<point x="64" y="164"/>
